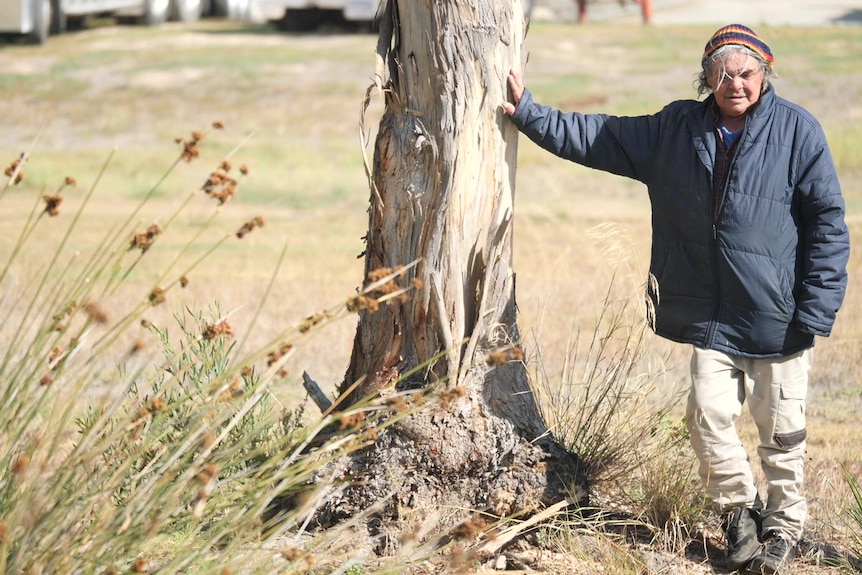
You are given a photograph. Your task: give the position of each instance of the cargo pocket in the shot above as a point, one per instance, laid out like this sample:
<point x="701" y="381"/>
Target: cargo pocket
<point x="790" y="418"/>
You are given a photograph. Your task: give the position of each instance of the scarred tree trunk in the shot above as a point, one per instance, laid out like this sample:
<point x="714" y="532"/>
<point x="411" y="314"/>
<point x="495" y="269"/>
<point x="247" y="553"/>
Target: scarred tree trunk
<point x="443" y="181"/>
<point x="442" y="195"/>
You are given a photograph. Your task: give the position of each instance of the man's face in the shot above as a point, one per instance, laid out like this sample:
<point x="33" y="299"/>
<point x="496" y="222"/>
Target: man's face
<point x="736" y="85"/>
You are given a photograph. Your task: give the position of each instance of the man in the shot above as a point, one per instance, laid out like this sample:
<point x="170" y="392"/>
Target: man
<point x="749" y="256"/>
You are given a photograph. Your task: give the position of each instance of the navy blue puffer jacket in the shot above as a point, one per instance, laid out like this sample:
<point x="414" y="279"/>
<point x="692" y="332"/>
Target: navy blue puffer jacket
<point x="767" y="272"/>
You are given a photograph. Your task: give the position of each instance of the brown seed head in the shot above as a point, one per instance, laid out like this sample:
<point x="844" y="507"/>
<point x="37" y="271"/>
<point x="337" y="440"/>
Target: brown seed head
<point x="20" y="464"/>
<point x="96" y="313"/>
<point x="157" y="404"/>
<point x="12" y="167"/>
<point x="141" y="565"/>
<point x="219" y="185"/>
<point x="450" y="395"/>
<point x="216" y="178"/>
<point x="46" y="381"/>
<point x="398" y="403"/>
<point x="389" y="287"/>
<point x="208" y="439"/>
<point x="360" y="302"/>
<point x="354" y="304"/>
<point x="350" y="420"/>
<point x="247" y="227"/>
<point x="190" y="150"/>
<point x="15" y="168"/>
<point x="221" y="329"/>
<point x="217" y="125"/>
<point x="70" y="181"/>
<point x="144" y="240"/>
<point x="503" y="355"/>
<point x="157" y="296"/>
<point x="243" y="169"/>
<point x="207" y="474"/>
<point x="184" y="281"/>
<point x="470" y="528"/>
<point x="378" y="274"/>
<point x="140" y="241"/>
<point x="312" y="321"/>
<point x="275" y="356"/>
<point x="52" y="204"/>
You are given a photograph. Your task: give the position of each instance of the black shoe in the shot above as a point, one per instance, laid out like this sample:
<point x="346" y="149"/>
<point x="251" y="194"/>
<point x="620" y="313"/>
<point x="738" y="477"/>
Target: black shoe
<point x="777" y="554"/>
<point x="742" y="533"/>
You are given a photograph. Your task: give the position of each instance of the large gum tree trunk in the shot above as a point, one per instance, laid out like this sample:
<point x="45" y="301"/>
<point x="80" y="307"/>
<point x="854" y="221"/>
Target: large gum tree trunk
<point x="442" y="195"/>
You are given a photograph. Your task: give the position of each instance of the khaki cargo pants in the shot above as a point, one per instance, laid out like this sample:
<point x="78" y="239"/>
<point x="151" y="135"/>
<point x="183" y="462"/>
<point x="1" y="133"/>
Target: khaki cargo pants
<point x="775" y="390"/>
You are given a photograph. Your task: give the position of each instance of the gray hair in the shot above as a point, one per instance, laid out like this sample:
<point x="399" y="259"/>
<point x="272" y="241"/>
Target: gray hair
<point x="716" y="61"/>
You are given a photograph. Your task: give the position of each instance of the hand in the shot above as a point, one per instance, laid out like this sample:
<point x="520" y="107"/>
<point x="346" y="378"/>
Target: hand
<point x="516" y="86"/>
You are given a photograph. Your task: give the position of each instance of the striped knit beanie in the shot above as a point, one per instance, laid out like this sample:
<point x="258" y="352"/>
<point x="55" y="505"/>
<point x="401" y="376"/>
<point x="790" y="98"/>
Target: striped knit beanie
<point x="738" y="35"/>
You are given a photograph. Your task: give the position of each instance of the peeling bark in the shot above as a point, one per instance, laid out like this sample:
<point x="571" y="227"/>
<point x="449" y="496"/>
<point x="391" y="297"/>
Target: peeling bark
<point x="443" y="177"/>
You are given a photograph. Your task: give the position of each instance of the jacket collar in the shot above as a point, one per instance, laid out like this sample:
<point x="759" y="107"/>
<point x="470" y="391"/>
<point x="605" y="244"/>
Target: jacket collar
<point x="762" y="109"/>
<point x="703" y="129"/>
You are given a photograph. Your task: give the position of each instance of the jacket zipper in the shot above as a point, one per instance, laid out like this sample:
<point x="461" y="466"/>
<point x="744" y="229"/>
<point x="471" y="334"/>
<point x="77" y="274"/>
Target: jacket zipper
<point x="716" y="210"/>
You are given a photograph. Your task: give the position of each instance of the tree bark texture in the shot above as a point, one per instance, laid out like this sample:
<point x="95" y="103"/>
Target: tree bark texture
<point x="442" y="195"/>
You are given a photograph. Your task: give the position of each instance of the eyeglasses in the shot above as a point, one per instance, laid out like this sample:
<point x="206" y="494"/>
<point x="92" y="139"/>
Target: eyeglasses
<point x="746" y="76"/>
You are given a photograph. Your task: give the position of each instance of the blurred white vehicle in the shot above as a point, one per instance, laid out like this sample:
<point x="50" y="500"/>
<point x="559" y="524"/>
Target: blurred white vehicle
<point x="29" y="17"/>
<point x="36" y="19"/>
<point x="298" y="15"/>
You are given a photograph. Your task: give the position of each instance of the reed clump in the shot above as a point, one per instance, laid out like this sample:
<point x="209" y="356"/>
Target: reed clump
<point x="139" y="440"/>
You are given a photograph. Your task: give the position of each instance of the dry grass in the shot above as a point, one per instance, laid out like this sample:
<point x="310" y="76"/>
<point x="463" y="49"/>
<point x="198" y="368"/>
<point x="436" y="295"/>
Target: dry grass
<point x="298" y="101"/>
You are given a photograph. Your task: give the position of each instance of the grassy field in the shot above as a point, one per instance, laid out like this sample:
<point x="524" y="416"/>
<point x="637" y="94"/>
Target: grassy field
<point x="290" y="106"/>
